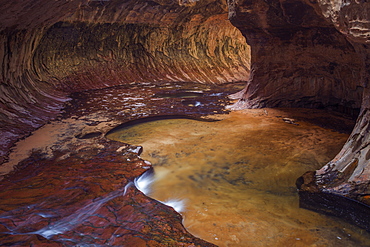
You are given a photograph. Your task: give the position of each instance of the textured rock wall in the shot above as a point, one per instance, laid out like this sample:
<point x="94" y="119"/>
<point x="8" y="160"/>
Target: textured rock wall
<point x="49" y="49"/>
<point x="298" y="58"/>
<point x="315" y="54"/>
<point x="304" y="54"/>
<point x="348" y="174"/>
<point x="84" y="56"/>
<point x="26" y="102"/>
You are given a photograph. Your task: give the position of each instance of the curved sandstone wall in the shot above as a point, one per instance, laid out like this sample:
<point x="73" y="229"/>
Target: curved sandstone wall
<point x="82" y="55"/>
<point x="50" y="49"/>
<point x="315" y="53"/>
<point x="299" y="59"/>
<point x="348" y="174"/>
<point x="304" y="54"/>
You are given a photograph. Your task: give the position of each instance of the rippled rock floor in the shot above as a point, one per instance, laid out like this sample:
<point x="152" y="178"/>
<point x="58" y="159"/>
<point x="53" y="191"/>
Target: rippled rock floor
<point x="73" y="186"/>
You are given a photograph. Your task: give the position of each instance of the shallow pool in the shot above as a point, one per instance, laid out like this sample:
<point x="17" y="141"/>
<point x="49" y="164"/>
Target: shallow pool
<point x="236" y="177"/>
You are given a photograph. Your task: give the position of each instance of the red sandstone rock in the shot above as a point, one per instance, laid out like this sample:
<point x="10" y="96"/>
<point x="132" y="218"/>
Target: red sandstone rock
<point x="315" y="54"/>
<point x="52" y="49"/>
<point x="85" y="195"/>
<point x="298" y="58"/>
<point x="304" y="53"/>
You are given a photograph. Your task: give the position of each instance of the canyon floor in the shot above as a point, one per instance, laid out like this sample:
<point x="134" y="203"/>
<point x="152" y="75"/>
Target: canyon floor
<point x="68" y="184"/>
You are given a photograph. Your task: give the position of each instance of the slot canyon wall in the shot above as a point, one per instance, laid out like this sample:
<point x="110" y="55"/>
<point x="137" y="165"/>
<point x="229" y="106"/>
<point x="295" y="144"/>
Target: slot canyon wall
<point x="298" y="58"/>
<point x="51" y="49"/>
<point x="315" y="54"/>
<point x="303" y="54"/>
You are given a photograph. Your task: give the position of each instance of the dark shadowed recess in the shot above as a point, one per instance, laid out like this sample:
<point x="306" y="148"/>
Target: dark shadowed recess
<point x="156" y="118"/>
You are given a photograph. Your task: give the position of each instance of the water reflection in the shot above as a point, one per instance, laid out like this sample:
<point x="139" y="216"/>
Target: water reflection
<point x="237" y="177"/>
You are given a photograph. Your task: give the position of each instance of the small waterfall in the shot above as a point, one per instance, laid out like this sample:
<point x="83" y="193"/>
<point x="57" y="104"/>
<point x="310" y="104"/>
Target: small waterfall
<point x="66" y="223"/>
<point x="144" y="182"/>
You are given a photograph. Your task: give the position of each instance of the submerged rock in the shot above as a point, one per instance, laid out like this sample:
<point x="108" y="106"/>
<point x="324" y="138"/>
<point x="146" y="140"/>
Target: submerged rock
<point x="85" y="196"/>
<point x="77" y="187"/>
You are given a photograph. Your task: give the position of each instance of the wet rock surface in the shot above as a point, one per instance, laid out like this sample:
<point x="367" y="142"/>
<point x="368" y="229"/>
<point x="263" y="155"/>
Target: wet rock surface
<point x="85" y="197"/>
<point x="76" y="187"/>
<point x="50" y="49"/>
<point x="304" y="53"/>
<point x="314" y="54"/>
<point x="146" y="99"/>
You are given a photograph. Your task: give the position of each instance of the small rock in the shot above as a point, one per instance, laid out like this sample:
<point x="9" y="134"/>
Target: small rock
<point x="290" y="120"/>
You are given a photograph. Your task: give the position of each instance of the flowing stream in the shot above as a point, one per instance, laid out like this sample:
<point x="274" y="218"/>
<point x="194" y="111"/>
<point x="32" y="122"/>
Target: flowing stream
<point x="233" y="180"/>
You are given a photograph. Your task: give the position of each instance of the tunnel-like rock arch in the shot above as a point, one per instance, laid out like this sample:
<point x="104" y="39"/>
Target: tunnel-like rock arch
<point x="303" y="54"/>
<point x="50" y="50"/>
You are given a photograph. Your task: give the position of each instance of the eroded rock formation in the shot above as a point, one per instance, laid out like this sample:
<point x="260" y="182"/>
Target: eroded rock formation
<point x="298" y="58"/>
<point x="304" y="54"/>
<point x="50" y="50"/>
<point x="315" y="54"/>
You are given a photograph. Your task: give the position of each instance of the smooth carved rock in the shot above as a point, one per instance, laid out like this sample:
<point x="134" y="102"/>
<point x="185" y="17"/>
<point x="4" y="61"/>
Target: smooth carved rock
<point x="304" y="54"/>
<point x="348" y="174"/>
<point x="298" y="58"/>
<point x="86" y="195"/>
<point x="351" y="166"/>
<point x="315" y="54"/>
<point x="48" y="50"/>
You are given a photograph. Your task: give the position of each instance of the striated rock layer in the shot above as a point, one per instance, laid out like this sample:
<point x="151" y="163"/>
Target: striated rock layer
<point x="298" y="58"/>
<point x="315" y="54"/>
<point x="304" y="54"/>
<point x="50" y="49"/>
<point x="348" y="174"/>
